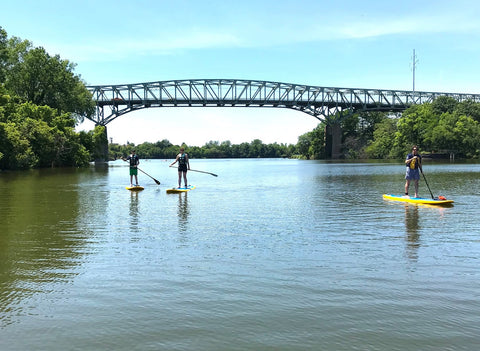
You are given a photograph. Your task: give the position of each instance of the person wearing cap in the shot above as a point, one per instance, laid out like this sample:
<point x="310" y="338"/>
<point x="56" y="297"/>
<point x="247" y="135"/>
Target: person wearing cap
<point x="134" y="162"/>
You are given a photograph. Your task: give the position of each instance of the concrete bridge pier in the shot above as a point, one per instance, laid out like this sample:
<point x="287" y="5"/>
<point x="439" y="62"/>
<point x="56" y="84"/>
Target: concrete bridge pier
<point x="101" y="144"/>
<point x="333" y="141"/>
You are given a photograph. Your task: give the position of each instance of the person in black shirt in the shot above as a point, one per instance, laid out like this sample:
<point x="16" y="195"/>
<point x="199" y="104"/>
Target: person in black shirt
<point x="183" y="166"/>
<point x="134" y="162"/>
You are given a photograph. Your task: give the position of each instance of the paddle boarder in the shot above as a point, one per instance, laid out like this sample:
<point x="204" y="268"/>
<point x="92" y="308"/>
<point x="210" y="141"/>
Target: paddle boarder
<point x="183" y="166"/>
<point x="414" y="166"/>
<point x="134" y="162"/>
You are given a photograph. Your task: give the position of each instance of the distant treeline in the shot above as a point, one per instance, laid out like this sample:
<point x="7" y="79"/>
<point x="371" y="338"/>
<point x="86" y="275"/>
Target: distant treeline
<point x="213" y="149"/>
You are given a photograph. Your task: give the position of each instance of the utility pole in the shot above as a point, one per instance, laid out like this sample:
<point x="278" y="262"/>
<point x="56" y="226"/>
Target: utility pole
<point x="414" y="64"/>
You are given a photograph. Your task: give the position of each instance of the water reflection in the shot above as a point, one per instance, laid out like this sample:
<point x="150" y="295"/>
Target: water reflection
<point x="183" y="212"/>
<point x="39" y="242"/>
<point x="412" y="229"/>
<point x="133" y="211"/>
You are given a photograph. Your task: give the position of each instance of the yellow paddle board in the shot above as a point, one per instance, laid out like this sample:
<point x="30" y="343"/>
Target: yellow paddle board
<point x="180" y="190"/>
<point x="418" y="200"/>
<point x="134" y="188"/>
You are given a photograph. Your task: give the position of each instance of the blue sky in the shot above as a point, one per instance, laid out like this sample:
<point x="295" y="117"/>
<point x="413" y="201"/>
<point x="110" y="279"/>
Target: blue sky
<point x="353" y="44"/>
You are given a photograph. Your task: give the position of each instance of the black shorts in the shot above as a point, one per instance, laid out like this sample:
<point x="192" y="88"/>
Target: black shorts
<point x="182" y="168"/>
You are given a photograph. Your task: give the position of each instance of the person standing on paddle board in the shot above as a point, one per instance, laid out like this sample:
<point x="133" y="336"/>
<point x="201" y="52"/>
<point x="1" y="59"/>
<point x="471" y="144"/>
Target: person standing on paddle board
<point x="183" y="166"/>
<point x="134" y="162"/>
<point x="414" y="166"/>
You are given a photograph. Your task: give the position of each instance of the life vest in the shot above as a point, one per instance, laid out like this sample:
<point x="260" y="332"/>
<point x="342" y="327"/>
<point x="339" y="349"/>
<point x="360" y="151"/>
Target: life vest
<point x="412" y="163"/>
<point x="182" y="160"/>
<point x="133" y="160"/>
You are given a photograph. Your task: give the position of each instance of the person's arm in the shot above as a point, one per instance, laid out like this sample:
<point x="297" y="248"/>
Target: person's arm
<point x="188" y="161"/>
<point x="176" y="159"/>
<point x="408" y="160"/>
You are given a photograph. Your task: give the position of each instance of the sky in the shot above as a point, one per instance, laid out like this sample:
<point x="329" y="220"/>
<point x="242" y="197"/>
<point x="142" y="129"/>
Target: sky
<point x="348" y="44"/>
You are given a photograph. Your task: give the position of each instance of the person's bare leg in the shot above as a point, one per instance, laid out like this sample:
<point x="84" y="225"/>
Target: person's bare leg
<point x="407" y="184"/>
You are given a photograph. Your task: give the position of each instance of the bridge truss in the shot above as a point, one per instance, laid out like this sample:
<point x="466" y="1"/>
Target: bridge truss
<point x="323" y="103"/>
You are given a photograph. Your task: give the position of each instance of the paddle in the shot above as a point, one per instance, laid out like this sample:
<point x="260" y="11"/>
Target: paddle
<point x="194" y="170"/>
<point x="427" y="183"/>
<point x="156" y="181"/>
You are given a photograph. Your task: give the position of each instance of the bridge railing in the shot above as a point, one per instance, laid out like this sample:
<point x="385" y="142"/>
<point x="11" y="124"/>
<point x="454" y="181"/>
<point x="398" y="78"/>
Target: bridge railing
<point x="320" y="102"/>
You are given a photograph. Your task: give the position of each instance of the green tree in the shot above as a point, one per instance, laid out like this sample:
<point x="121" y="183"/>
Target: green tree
<point x="47" y="80"/>
<point x="41" y="100"/>
<point x="15" y="148"/>
<point x="3" y="54"/>
<point x="311" y="145"/>
<point x="413" y="127"/>
<point x="468" y="108"/>
<point x="382" y="144"/>
<point x="443" y="104"/>
<point x="41" y="140"/>
<point x="457" y="133"/>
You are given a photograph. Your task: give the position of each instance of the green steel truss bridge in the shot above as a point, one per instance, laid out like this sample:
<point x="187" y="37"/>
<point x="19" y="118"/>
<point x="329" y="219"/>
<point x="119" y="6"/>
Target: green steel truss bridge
<point x="322" y="103"/>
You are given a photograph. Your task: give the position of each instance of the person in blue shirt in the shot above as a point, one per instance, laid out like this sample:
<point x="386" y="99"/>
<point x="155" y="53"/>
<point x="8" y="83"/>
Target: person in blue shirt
<point x="414" y="166"/>
<point x="183" y="166"/>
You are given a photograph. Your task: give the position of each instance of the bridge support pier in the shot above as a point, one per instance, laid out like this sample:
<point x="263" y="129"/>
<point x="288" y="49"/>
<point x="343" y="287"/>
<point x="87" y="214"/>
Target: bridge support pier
<point x="333" y="141"/>
<point x="101" y="144"/>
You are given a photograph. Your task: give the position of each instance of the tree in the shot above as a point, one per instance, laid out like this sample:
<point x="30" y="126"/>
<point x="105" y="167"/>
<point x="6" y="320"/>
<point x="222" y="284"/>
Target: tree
<point x="41" y="99"/>
<point x="3" y="54"/>
<point x="457" y="133"/>
<point x="41" y="140"/>
<point x="16" y="150"/>
<point x="47" y="80"/>
<point x="382" y="145"/>
<point x="443" y="104"/>
<point x="468" y="108"/>
<point x="414" y="126"/>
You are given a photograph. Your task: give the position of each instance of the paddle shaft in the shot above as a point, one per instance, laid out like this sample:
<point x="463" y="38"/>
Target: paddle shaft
<point x="156" y="181"/>
<point x="194" y="170"/>
<point x="426" y="183"/>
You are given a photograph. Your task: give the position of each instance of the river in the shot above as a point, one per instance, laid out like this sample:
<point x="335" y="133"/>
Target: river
<point x="272" y="254"/>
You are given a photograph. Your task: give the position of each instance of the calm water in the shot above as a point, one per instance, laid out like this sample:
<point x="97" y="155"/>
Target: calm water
<point x="269" y="255"/>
